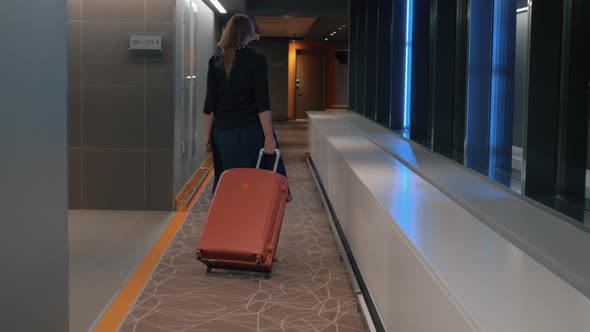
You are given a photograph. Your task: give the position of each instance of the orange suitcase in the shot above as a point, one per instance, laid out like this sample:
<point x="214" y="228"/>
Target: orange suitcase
<point x="244" y="220"/>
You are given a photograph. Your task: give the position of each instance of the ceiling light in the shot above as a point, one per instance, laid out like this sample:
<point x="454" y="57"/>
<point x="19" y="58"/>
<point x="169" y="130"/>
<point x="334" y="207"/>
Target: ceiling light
<point x="339" y="28"/>
<point x="326" y="39"/>
<point x="218" y="6"/>
<point x="334" y="32"/>
<point x="344" y="26"/>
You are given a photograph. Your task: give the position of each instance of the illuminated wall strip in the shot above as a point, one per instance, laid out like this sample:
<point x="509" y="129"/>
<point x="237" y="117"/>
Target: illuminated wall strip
<point x="408" y="66"/>
<point x="502" y="87"/>
<point x="494" y="93"/>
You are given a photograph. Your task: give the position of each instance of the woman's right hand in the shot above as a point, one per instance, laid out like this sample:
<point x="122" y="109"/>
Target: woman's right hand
<point x="270" y="145"/>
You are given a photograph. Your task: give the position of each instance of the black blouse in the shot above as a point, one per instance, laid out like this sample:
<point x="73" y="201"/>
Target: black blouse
<point x="237" y="100"/>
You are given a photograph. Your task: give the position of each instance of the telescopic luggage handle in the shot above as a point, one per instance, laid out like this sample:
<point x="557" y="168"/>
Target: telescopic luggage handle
<point x="278" y="157"/>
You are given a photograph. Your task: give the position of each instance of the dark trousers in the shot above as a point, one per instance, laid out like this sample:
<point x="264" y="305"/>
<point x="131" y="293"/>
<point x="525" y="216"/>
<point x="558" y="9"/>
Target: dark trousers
<point x="239" y="148"/>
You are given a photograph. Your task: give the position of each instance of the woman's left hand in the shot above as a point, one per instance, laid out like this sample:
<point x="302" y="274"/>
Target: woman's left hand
<point x="270" y="145"/>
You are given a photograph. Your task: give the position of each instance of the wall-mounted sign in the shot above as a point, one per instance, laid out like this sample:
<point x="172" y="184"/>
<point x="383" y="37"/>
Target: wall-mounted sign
<point x="145" y="42"/>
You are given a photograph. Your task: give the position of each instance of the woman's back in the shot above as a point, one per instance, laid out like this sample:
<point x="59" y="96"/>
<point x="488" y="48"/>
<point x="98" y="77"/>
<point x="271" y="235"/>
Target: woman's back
<point x="238" y="122"/>
<point x="236" y="100"/>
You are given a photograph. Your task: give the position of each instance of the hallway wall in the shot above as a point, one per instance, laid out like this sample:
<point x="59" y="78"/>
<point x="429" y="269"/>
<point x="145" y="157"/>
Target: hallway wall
<point x="33" y="191"/>
<point x="277" y="56"/>
<point x="206" y="41"/>
<point x="120" y="121"/>
<point x="341" y="83"/>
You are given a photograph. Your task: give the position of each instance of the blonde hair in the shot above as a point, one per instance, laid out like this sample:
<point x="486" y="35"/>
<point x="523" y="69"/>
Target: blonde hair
<point x="235" y="34"/>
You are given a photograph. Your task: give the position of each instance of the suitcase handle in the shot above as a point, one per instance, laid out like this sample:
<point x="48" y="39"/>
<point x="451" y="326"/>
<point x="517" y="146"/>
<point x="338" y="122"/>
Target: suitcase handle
<point x="278" y="157"/>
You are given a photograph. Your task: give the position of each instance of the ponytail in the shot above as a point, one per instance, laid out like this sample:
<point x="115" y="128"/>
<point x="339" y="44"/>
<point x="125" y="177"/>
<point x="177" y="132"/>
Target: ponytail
<point x="235" y="35"/>
<point x="229" y="60"/>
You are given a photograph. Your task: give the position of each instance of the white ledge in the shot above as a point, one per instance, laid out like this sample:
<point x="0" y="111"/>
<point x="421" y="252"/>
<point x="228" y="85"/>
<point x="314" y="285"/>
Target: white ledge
<point x="429" y="264"/>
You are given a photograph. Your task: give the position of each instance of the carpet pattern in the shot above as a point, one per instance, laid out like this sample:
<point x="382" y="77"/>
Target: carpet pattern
<point x="308" y="291"/>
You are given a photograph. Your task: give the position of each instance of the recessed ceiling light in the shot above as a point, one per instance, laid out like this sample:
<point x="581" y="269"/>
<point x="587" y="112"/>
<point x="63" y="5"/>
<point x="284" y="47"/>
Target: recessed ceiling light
<point x="344" y="26"/>
<point x="339" y="28"/>
<point x="334" y="32"/>
<point x="218" y="6"/>
<point x="325" y="38"/>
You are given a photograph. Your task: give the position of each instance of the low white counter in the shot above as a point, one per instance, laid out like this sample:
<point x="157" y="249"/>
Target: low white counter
<point x="428" y="264"/>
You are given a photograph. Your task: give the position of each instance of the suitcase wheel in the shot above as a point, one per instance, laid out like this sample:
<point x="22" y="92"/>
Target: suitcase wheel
<point x="198" y="256"/>
<point x="258" y="261"/>
<point x="209" y="268"/>
<point x="267" y="275"/>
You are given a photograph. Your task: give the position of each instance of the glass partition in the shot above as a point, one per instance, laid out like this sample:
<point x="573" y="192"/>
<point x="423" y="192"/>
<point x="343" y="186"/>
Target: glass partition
<point x="500" y="87"/>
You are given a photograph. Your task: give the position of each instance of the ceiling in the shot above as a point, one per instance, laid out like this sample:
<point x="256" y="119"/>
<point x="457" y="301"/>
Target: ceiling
<point x="287" y="7"/>
<point x="325" y="26"/>
<point x="234" y="6"/>
<point x="284" y="26"/>
<point x="310" y="20"/>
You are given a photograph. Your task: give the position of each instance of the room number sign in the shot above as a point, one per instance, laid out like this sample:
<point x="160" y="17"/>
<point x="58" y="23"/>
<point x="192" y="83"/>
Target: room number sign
<point x="145" y="43"/>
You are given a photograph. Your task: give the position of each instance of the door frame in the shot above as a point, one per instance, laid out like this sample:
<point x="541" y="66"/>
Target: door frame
<point x="330" y="73"/>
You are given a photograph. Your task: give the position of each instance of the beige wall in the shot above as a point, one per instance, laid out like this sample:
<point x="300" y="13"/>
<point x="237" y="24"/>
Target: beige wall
<point x="277" y="56"/>
<point x="121" y="107"/>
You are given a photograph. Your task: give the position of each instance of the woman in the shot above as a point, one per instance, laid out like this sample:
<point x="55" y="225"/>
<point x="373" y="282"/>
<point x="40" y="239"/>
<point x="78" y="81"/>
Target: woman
<point x="238" y="122"/>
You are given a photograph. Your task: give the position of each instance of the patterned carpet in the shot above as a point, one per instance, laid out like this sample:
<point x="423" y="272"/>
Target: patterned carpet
<point x="309" y="289"/>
